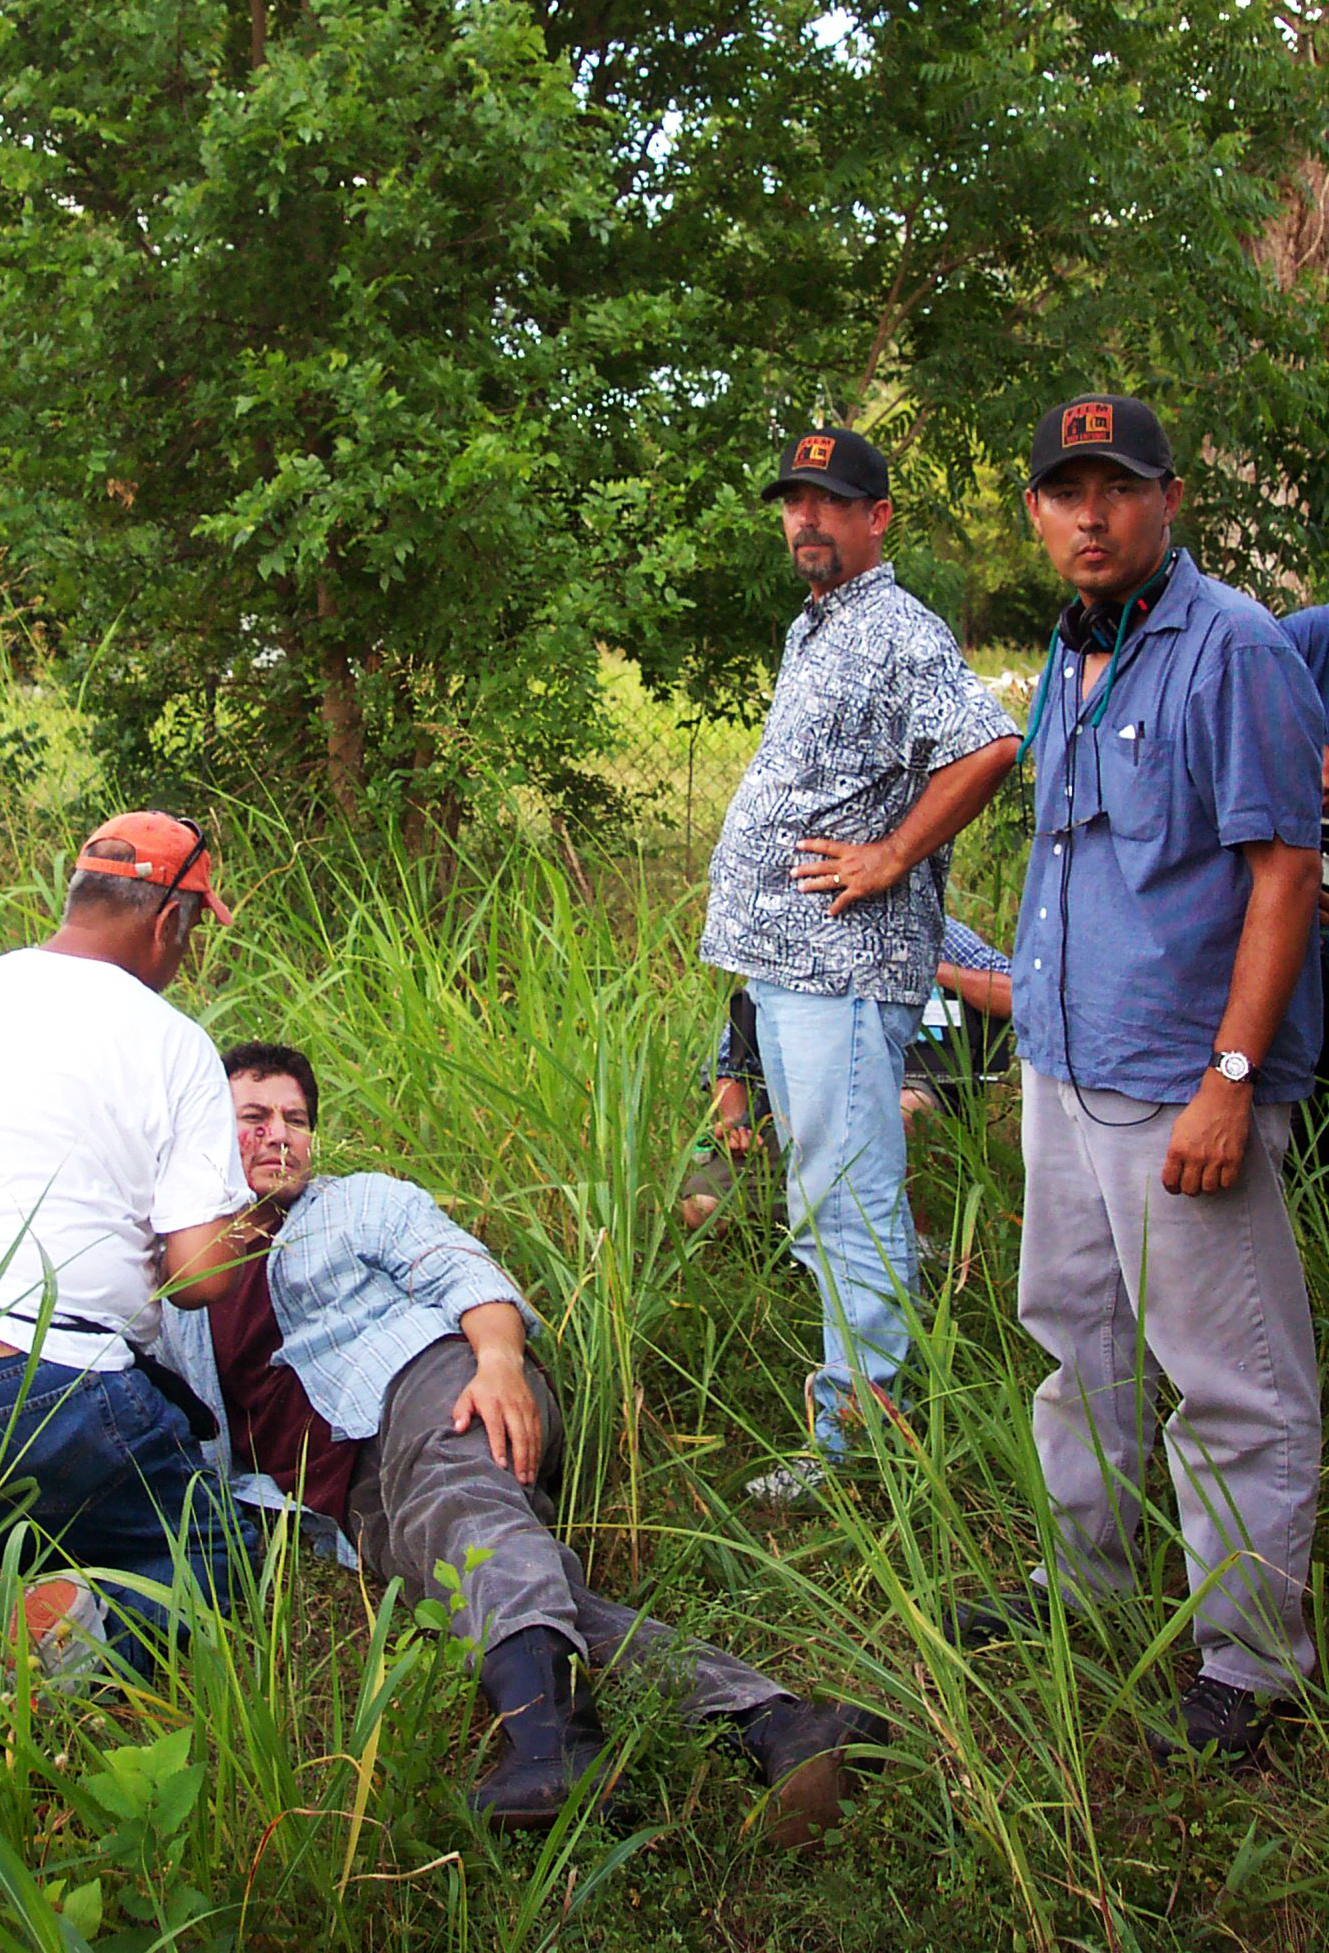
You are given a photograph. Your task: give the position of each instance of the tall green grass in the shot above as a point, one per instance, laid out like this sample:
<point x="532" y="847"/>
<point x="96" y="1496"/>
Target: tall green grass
<point x="532" y="1059"/>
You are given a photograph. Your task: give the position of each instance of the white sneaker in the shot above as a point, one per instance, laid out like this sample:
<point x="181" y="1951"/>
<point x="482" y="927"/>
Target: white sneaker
<point x="66" y="1625"/>
<point x="796" y="1483"/>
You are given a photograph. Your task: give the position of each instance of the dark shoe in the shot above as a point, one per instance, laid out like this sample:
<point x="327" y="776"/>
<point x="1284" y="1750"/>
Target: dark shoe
<point x="1000" y="1619"/>
<point x="799" y="1748"/>
<point x="553" y="1733"/>
<point x="1234" y="1720"/>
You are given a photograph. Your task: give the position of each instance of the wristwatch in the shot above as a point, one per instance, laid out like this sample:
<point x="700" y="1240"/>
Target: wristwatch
<point x="1234" y="1065"/>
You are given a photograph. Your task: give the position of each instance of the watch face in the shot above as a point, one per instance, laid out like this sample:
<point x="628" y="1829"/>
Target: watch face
<point x="1234" y="1065"/>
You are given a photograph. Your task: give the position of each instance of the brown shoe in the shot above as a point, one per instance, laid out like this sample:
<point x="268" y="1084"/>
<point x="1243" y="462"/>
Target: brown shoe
<point x="801" y="1750"/>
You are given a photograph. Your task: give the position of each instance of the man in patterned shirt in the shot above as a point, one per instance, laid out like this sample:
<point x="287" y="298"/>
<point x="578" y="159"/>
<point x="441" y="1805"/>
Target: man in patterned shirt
<point x="826" y="894"/>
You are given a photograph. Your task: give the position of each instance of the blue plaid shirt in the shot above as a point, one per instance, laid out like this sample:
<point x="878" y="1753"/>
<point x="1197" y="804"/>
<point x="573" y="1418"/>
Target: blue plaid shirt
<point x="967" y="950"/>
<point x="364" y="1273"/>
<point x="873" y="697"/>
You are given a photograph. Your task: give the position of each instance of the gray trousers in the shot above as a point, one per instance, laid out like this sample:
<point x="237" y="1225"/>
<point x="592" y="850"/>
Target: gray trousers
<point x="1217" y="1290"/>
<point x="421" y="1494"/>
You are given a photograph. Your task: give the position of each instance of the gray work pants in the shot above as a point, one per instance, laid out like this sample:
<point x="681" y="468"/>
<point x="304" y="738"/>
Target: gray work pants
<point x="1218" y="1290"/>
<point x="422" y="1493"/>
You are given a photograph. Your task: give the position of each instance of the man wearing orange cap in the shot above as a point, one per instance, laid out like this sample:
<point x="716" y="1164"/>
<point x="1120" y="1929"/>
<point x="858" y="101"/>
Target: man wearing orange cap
<point x="119" y="1173"/>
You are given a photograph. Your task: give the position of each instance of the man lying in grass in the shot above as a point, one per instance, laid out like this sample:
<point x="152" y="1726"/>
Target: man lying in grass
<point x="375" y="1356"/>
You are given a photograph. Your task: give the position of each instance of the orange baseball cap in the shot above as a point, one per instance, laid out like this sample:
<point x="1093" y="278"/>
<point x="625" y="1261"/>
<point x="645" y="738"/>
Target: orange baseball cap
<point x="168" y="852"/>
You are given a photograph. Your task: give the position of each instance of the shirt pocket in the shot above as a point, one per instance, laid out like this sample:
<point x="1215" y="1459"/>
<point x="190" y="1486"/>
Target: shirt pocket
<point x="1136" y="779"/>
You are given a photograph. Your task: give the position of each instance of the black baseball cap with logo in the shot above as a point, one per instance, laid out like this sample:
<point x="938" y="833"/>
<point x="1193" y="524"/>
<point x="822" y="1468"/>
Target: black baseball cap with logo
<point x="835" y="458"/>
<point x="1106" y="426"/>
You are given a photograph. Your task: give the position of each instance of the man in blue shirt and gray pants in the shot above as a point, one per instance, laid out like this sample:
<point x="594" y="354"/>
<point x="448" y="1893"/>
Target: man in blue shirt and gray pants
<point x="1166" y="989"/>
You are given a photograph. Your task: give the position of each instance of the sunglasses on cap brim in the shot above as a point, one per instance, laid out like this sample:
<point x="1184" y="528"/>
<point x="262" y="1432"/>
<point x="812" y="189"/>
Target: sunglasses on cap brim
<point x="188" y="861"/>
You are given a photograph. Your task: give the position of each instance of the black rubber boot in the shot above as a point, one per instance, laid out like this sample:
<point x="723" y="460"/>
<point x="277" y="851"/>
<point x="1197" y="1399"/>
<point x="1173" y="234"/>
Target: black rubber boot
<point x="983" y="1623"/>
<point x="1235" y="1721"/>
<point x="799" y="1748"/>
<point x="553" y="1733"/>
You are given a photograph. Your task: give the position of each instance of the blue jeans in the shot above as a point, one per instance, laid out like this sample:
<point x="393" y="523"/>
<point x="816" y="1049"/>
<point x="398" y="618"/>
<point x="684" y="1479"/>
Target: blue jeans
<point x="834" y="1067"/>
<point x="115" y="1466"/>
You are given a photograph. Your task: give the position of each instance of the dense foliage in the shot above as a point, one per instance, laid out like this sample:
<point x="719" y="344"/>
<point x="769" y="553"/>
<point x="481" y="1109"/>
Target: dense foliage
<point x="369" y="363"/>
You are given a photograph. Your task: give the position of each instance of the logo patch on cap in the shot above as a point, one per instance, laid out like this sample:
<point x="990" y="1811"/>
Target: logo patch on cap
<point x="1088" y="420"/>
<point x="814" y="451"/>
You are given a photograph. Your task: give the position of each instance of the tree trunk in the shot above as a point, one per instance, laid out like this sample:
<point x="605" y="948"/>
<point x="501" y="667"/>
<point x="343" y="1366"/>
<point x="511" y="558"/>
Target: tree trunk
<point x="449" y="813"/>
<point x="258" y="32"/>
<point x="341" y="714"/>
<point x="417" y="813"/>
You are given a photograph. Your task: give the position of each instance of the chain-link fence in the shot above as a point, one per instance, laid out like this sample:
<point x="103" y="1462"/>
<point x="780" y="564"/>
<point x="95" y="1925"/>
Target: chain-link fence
<point x="675" y="766"/>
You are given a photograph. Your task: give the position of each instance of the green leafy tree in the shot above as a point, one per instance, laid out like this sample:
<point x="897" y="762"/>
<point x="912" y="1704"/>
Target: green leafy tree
<point x="286" y="396"/>
<point x="371" y="363"/>
<point x="935" y="220"/>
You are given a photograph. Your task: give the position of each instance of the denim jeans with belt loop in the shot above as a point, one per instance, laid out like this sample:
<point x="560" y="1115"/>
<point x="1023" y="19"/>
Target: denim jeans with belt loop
<point x="116" y="1469"/>
<point x="834" y="1068"/>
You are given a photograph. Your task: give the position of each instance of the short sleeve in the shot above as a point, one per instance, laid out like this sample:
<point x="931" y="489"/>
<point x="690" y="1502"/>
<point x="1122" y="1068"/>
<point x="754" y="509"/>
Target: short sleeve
<point x="1309" y="632"/>
<point x="199" y="1176"/>
<point x="952" y="713"/>
<point x="1255" y="745"/>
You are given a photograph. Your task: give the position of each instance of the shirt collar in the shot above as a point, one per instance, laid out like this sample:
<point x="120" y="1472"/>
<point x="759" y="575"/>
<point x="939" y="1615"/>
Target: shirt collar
<point x="1170" y="613"/>
<point x="301" y="1206"/>
<point x="816" y="610"/>
<point x="1172" y="609"/>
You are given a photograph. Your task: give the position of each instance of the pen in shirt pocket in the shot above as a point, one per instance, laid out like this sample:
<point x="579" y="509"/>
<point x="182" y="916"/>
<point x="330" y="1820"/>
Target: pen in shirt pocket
<point x="1135" y="734"/>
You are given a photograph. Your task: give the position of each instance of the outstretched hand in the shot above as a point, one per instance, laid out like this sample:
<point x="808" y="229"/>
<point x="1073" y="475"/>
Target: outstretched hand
<point x="499" y="1395"/>
<point x="849" y="870"/>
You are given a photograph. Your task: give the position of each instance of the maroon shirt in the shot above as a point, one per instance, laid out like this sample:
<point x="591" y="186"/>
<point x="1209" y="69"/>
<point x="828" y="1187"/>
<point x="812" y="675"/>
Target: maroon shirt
<point x="273" y="1425"/>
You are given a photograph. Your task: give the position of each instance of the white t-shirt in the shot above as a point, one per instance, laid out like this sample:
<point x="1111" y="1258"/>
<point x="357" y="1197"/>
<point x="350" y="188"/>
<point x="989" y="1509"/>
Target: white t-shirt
<point x="116" y="1126"/>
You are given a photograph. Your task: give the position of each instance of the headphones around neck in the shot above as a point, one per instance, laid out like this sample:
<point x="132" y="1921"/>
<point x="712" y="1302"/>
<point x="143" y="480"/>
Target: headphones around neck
<point x="1102" y="628"/>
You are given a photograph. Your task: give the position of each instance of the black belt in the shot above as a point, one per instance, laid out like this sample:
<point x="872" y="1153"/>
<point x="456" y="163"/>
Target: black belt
<point x="202" y="1422"/>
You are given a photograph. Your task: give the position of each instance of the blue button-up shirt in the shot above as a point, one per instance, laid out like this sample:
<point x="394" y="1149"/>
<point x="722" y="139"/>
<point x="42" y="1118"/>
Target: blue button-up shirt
<point x="872" y="698"/>
<point x="1137" y="889"/>
<point x="365" y="1272"/>
<point x="1309" y="631"/>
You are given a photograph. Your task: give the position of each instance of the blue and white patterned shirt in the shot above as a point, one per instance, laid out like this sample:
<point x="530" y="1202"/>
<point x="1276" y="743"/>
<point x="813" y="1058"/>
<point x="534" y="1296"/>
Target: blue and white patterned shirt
<point x="872" y="698"/>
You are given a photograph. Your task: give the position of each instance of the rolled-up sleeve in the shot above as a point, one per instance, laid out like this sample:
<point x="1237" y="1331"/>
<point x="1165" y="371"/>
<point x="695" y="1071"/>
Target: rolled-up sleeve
<point x="1254" y="748"/>
<point x="435" y="1263"/>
